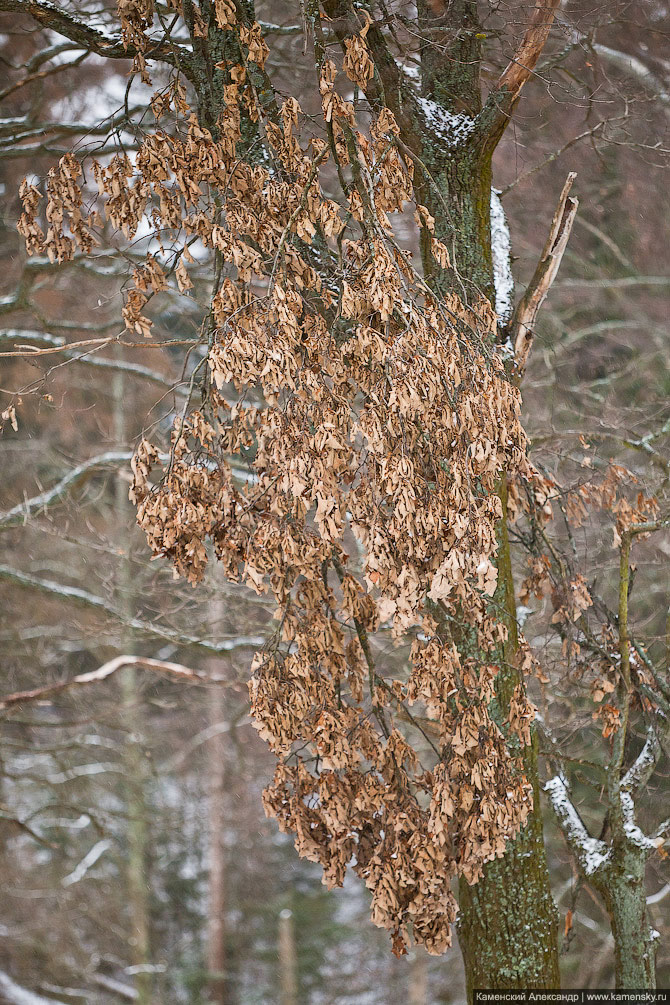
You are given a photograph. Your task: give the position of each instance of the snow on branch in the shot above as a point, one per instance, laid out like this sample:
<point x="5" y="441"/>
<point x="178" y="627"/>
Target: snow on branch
<point x="656" y="898"/>
<point x="29" y="337"/>
<point x="54" y="18"/>
<point x="116" y="987"/>
<point x="633" y="833"/>
<point x="20" y="513"/>
<point x="87" y="599"/>
<point x="643" y="765"/>
<point x="592" y="855"/>
<point x="86" y="863"/>
<point x="636" y="68"/>
<point x="14" y="994"/>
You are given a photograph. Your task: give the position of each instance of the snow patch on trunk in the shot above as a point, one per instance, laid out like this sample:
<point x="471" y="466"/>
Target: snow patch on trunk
<point x="451" y="128"/>
<point x="500" y="251"/>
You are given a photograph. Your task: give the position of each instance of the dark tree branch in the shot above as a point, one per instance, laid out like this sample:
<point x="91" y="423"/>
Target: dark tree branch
<point x="49" y="16"/>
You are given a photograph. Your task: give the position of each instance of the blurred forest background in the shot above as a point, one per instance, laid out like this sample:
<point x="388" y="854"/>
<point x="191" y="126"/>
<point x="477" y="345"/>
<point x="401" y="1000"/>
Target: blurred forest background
<point x="135" y="859"/>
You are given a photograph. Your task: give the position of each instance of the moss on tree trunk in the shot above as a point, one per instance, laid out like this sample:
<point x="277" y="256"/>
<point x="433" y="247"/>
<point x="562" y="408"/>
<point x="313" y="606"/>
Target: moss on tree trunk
<point x="622" y="887"/>
<point x="508" y="923"/>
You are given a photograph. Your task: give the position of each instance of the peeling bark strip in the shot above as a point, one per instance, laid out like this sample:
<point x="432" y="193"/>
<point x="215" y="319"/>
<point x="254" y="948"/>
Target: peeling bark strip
<point x="386" y="413"/>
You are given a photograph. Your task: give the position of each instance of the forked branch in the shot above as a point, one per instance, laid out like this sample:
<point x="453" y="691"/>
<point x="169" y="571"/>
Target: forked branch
<point x="48" y="15"/>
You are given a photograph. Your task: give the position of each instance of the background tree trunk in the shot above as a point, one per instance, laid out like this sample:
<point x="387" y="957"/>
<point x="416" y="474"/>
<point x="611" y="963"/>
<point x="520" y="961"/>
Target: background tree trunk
<point x="218" y="985"/>
<point x="626" y="902"/>
<point x="133" y="758"/>
<point x="418" y="978"/>
<point x="288" y="965"/>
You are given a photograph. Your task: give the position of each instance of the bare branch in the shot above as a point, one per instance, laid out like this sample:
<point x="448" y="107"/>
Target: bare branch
<point x="20" y="513"/>
<point x="14" y="137"/>
<point x="56" y="19"/>
<point x="623" y="283"/>
<point x="558" y="153"/>
<point x="20" y="337"/>
<point x="635" y="67"/>
<point x="106" y="670"/>
<point x="523" y="321"/>
<point x="30" y="352"/>
<point x="87" y="599"/>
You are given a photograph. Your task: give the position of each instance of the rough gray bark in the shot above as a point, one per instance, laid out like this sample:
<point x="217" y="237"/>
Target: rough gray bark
<point x="623" y="889"/>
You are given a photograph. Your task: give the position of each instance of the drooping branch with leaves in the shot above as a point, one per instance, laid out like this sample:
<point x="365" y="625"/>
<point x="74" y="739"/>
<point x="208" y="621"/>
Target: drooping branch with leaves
<point x="346" y="438"/>
<point x="372" y="409"/>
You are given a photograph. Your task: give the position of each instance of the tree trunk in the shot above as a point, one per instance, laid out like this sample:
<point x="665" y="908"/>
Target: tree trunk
<point x="134" y="768"/>
<point x="624" y="892"/>
<point x="288" y="967"/>
<point x="218" y="990"/>
<point x="508" y="929"/>
<point x="138" y="889"/>
<point x="418" y="978"/>
<point x="508" y="923"/>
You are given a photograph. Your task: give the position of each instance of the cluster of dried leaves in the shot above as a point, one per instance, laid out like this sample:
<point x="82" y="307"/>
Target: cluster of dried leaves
<point x="375" y="421"/>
